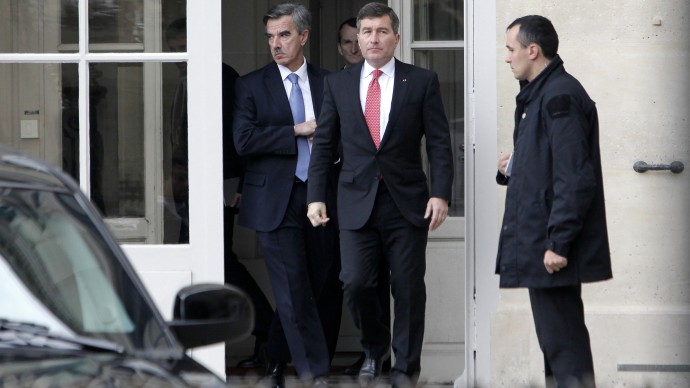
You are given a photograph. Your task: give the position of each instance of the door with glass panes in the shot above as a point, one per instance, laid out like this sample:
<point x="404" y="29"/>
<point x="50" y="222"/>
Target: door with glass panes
<point x="121" y="152"/>
<point x="432" y="37"/>
<point x="99" y="88"/>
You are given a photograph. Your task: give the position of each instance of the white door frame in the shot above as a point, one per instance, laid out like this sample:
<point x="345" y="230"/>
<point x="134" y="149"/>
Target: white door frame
<point x="481" y="197"/>
<point x="166" y="268"/>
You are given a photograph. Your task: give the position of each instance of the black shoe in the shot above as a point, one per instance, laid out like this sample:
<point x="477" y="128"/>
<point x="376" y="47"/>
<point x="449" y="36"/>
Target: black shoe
<point x="255" y="361"/>
<point x="276" y="374"/>
<point x="258" y="359"/>
<point x="353" y="370"/>
<point x="370" y="372"/>
<point x="401" y="380"/>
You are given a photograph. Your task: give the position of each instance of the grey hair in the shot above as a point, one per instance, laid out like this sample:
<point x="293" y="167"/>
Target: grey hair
<point x="377" y="10"/>
<point x="301" y="16"/>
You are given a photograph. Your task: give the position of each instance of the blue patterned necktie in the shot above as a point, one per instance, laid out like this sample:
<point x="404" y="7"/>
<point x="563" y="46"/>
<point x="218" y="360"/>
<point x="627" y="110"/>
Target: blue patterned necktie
<point x="297" y="107"/>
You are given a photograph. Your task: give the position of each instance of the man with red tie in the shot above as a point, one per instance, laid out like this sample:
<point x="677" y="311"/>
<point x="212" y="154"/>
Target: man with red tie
<point x="380" y="110"/>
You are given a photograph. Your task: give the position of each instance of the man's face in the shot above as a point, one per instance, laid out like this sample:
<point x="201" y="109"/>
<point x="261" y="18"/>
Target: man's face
<point x="285" y="43"/>
<point x="377" y="40"/>
<point x="518" y="57"/>
<point x="348" y="46"/>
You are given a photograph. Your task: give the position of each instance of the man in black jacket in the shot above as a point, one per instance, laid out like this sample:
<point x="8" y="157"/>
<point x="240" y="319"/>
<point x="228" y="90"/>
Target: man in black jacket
<point x="554" y="234"/>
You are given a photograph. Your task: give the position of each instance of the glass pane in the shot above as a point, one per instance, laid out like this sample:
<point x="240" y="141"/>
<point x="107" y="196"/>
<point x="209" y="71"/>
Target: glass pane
<point x="438" y="20"/>
<point x="39" y="26"/>
<point x="70" y="120"/>
<point x="117" y="138"/>
<point x="39" y="113"/>
<point x="449" y="65"/>
<point x="175" y="172"/>
<point x="128" y="25"/>
<point x="30" y="26"/>
<point x="139" y="155"/>
<point x="116" y="21"/>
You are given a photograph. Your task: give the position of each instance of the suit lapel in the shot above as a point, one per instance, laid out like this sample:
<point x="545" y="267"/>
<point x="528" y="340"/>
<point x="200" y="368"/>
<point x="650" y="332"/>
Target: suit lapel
<point x="316" y="87"/>
<point x="354" y="74"/>
<point x="400" y="89"/>
<point x="275" y="90"/>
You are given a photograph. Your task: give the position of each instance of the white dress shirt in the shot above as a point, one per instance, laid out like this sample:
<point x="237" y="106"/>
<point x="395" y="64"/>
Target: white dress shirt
<point x="386" y="81"/>
<point x="303" y="83"/>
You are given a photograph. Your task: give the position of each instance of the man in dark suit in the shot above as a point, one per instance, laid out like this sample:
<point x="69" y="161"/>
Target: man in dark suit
<point x="380" y="110"/>
<point x="348" y="48"/>
<point x="275" y="118"/>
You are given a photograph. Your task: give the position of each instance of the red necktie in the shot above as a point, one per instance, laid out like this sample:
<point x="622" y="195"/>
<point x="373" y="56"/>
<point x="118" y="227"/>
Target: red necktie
<point x="372" y="108"/>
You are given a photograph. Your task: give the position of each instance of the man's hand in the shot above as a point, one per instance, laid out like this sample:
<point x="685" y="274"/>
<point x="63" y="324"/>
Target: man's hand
<point x="316" y="212"/>
<point x="236" y="199"/>
<point x="437" y="208"/>
<point x="503" y="163"/>
<point x="306" y="128"/>
<point x="554" y="262"/>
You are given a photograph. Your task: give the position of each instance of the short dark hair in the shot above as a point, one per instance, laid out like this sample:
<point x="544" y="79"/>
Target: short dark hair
<point x="352" y="22"/>
<point x="301" y="17"/>
<point x="176" y="29"/>
<point x="377" y="10"/>
<point x="539" y="30"/>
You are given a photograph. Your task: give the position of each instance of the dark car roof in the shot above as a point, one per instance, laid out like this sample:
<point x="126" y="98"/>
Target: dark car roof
<point x="17" y="169"/>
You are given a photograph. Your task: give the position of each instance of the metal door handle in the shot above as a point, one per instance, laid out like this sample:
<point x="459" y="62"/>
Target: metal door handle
<point x="676" y="167"/>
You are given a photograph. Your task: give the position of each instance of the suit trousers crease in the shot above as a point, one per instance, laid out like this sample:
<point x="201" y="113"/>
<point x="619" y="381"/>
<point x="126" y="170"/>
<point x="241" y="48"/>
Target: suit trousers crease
<point x="298" y="268"/>
<point x="387" y="236"/>
<point x="559" y="321"/>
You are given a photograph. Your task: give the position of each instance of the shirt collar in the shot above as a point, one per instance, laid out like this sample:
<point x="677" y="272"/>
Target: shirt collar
<point x="301" y="72"/>
<point x="387" y="69"/>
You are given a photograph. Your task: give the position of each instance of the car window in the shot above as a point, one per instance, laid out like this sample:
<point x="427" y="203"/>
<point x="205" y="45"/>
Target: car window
<point x="57" y="271"/>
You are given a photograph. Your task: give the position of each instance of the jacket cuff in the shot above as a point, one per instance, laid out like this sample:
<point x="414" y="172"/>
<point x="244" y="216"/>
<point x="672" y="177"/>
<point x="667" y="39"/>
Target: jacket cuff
<point x="561" y="249"/>
<point x="501" y="179"/>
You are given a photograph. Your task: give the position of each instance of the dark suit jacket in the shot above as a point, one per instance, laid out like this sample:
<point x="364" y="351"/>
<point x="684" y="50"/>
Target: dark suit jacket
<point x="233" y="164"/>
<point x="416" y="112"/>
<point x="263" y="132"/>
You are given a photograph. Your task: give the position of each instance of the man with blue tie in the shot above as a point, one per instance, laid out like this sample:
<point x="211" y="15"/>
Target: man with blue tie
<point x="380" y="110"/>
<point x="275" y="117"/>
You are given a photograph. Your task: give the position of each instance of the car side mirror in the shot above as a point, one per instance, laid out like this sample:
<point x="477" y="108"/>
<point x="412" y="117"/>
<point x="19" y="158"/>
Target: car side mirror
<point x="205" y="314"/>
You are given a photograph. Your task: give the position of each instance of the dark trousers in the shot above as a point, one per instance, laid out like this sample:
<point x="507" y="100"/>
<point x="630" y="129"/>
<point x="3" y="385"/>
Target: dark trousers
<point x="329" y="303"/>
<point x="238" y="275"/>
<point x="387" y="236"/>
<point x="298" y="269"/>
<point x="559" y="319"/>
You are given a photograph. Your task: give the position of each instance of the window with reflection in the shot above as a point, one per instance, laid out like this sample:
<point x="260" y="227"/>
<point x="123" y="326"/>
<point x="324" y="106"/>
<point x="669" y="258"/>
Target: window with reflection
<point x="137" y="111"/>
<point x="121" y="25"/>
<point x="116" y="127"/>
<point x="438" y="20"/>
<point x="449" y="65"/>
<point x="30" y="26"/>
